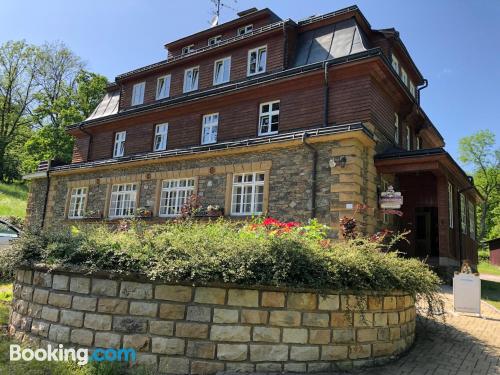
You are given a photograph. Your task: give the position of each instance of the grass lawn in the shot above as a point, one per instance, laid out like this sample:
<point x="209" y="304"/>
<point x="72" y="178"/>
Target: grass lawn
<point x="13" y="199"/>
<point x="488" y="268"/>
<point x="5" y="298"/>
<point x="490" y="292"/>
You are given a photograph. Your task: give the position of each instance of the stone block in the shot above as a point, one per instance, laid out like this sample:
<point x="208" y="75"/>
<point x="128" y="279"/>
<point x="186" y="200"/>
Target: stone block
<point x="273" y="299"/>
<point x="367" y="334"/>
<point x="359" y="351"/>
<point x="27" y="293"/>
<point x="161" y="327"/>
<point x="304" y="353"/>
<point x="295" y="367"/>
<point x="98" y="322"/>
<point x="172" y="311"/>
<point x="261" y="353"/>
<point x="254" y="316"/>
<point x="148" y="361"/>
<point x="60" y="300"/>
<point x="174" y="365"/>
<point x="329" y="302"/>
<point x="375" y="303"/>
<point x="112" y="306"/>
<point x="107" y="340"/>
<point x="380" y="319"/>
<point x="143" y="309"/>
<point x="315" y="367"/>
<point x="243" y="297"/>
<point x="269" y="367"/>
<point x="285" y="318"/>
<point x="72" y="318"/>
<point x="83" y="337"/>
<point x="266" y="334"/>
<point x="383" y="334"/>
<point x="200" y="349"/>
<point x="40" y="296"/>
<point x="138" y="342"/>
<point x="316" y="319"/>
<point x="239" y="367"/>
<point x="395" y="333"/>
<point x="230" y="333"/>
<point x="216" y="296"/>
<point x="408" y="301"/>
<point x="400" y="302"/>
<point x="130" y="289"/>
<point x="225" y="316"/>
<point x="191" y="330"/>
<point x="203" y="368"/>
<point x="40" y="328"/>
<point x="342" y="336"/>
<point x="334" y="352"/>
<point x="319" y="336"/>
<point x="79" y="285"/>
<point x="60" y="282"/>
<point x="164" y="345"/>
<point x="295" y="335"/>
<point x="59" y="334"/>
<point x="28" y="276"/>
<point x="390" y="303"/>
<point x="232" y="352"/>
<point x="341" y="319"/>
<point x="84" y="303"/>
<point x="363" y="319"/>
<point x="353" y="302"/>
<point x="42" y="279"/>
<point x="129" y="324"/>
<point x="104" y="287"/>
<point x="381" y="349"/>
<point x="198" y="313"/>
<point x="393" y="318"/>
<point x="176" y="293"/>
<point x="302" y="301"/>
<point x="50" y="313"/>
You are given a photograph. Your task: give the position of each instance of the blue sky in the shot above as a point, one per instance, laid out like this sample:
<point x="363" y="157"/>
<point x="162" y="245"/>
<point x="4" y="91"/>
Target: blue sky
<point x="455" y="43"/>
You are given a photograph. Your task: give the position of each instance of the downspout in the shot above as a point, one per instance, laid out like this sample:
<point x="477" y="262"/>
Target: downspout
<point x="313" y="173"/>
<point x="46" y="200"/>
<point x="80" y="127"/>
<point x="426" y="83"/>
<point x="460" y="246"/>
<point x="326" y="94"/>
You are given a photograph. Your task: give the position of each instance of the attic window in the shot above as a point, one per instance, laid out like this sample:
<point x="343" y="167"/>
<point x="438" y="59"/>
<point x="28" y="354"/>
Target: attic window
<point x="412" y="88"/>
<point x="188" y="49"/>
<point x="245" y="30"/>
<point x="395" y="64"/>
<point x="214" y="40"/>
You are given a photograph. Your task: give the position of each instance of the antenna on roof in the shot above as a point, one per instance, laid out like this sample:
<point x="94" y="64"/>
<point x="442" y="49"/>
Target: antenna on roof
<point x="218" y="5"/>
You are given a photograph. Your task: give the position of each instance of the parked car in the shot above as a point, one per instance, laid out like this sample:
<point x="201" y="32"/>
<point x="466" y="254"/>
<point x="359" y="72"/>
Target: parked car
<point x="8" y="233"/>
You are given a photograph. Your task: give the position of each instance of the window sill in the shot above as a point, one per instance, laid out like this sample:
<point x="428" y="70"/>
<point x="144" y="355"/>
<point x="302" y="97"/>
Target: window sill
<point x="266" y="134"/>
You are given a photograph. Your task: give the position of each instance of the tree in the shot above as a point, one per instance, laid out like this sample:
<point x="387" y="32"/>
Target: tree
<point x="479" y="151"/>
<point x="18" y="65"/>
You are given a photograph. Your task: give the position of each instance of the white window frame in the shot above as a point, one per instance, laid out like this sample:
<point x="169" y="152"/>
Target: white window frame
<point x="412" y="89"/>
<point x="172" y="198"/>
<point x="193" y="85"/>
<point x="210" y="122"/>
<point x="257" y="51"/>
<point x="187" y="49"/>
<point x="119" y="145"/>
<point x="396" y="128"/>
<point x="269" y="115"/>
<point x="161" y="137"/>
<point x="77" y="203"/>
<point x="395" y="64"/>
<point x="163" y="92"/>
<point x="250" y="189"/>
<point x="463" y="213"/>
<point x="225" y="67"/>
<point x="450" y="205"/>
<point x="138" y="93"/>
<point x="243" y="30"/>
<point x="213" y="41"/>
<point x="408" y="138"/>
<point x="404" y="76"/>
<point x="123" y="200"/>
<point x="418" y="142"/>
<point x="472" y="220"/>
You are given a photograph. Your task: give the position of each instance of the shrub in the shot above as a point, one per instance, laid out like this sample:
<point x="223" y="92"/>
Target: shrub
<point x="483" y="255"/>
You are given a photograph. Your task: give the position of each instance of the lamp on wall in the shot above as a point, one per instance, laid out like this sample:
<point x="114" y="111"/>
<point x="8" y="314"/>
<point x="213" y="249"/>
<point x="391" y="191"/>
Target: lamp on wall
<point x="341" y="161"/>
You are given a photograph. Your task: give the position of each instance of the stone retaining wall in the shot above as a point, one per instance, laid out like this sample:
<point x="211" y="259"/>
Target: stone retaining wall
<point x="182" y="329"/>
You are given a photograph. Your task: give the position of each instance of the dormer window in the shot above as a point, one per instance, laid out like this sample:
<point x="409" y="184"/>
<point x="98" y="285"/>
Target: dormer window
<point x="395" y="64"/>
<point x="214" y="40"/>
<point x="191" y="79"/>
<point x="187" y="49"/>
<point x="138" y="93"/>
<point x="257" y="60"/>
<point x="404" y="76"/>
<point x="245" y="30"/>
<point x="163" y="87"/>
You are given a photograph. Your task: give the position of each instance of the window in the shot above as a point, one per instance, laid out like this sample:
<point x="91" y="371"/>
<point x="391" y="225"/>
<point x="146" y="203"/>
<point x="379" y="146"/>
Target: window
<point x="269" y="117"/>
<point x="245" y="30"/>
<point x="138" y="93"/>
<point x="187" y="49"/>
<point x="463" y="214"/>
<point x="412" y="88"/>
<point x="472" y="221"/>
<point x="396" y="128"/>
<point x="248" y="194"/>
<point x="450" y="204"/>
<point x="174" y="194"/>
<point x="119" y="148"/>
<point x="77" y="203"/>
<point x="163" y="87"/>
<point x="123" y="200"/>
<point x="191" y="79"/>
<point x="404" y="76"/>
<point x="408" y="138"/>
<point x="257" y="60"/>
<point x="222" y="70"/>
<point x="395" y="64"/>
<point x="209" y="128"/>
<point x="214" y="40"/>
<point x="419" y="143"/>
<point x="161" y="136"/>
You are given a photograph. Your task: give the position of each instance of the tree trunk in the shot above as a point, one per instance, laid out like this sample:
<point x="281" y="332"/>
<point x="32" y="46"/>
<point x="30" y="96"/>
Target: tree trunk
<point x="484" y="212"/>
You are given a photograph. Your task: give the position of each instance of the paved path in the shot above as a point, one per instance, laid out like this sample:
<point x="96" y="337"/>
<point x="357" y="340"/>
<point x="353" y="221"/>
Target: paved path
<point x="464" y="345"/>
<point x="484" y="276"/>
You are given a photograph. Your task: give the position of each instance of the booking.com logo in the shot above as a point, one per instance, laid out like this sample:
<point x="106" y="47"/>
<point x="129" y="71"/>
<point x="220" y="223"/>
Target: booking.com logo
<point x="62" y="354"/>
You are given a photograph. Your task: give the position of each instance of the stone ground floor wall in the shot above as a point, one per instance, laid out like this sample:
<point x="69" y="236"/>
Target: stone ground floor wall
<point x="183" y="329"/>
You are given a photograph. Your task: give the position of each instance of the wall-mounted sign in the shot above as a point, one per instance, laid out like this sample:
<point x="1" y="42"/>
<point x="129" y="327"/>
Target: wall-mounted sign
<point x="391" y="199"/>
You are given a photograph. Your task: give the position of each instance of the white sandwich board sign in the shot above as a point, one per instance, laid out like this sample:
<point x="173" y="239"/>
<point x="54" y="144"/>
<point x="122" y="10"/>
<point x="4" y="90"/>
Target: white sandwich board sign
<point x="467" y="293"/>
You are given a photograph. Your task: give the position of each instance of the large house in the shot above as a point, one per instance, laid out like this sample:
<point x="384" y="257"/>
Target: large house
<point x="265" y="116"/>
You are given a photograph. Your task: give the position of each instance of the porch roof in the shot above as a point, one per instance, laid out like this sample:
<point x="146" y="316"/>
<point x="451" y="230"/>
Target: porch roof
<point x="435" y="160"/>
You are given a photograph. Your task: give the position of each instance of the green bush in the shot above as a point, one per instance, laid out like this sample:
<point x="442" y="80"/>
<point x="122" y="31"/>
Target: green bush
<point x="483" y="255"/>
<point x="222" y="251"/>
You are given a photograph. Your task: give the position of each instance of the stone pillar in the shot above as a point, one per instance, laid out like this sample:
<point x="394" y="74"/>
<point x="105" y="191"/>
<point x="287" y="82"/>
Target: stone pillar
<point x="36" y="201"/>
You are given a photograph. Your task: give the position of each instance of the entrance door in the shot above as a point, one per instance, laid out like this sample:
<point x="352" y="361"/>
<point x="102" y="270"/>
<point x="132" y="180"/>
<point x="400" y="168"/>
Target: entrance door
<point x="426" y="232"/>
